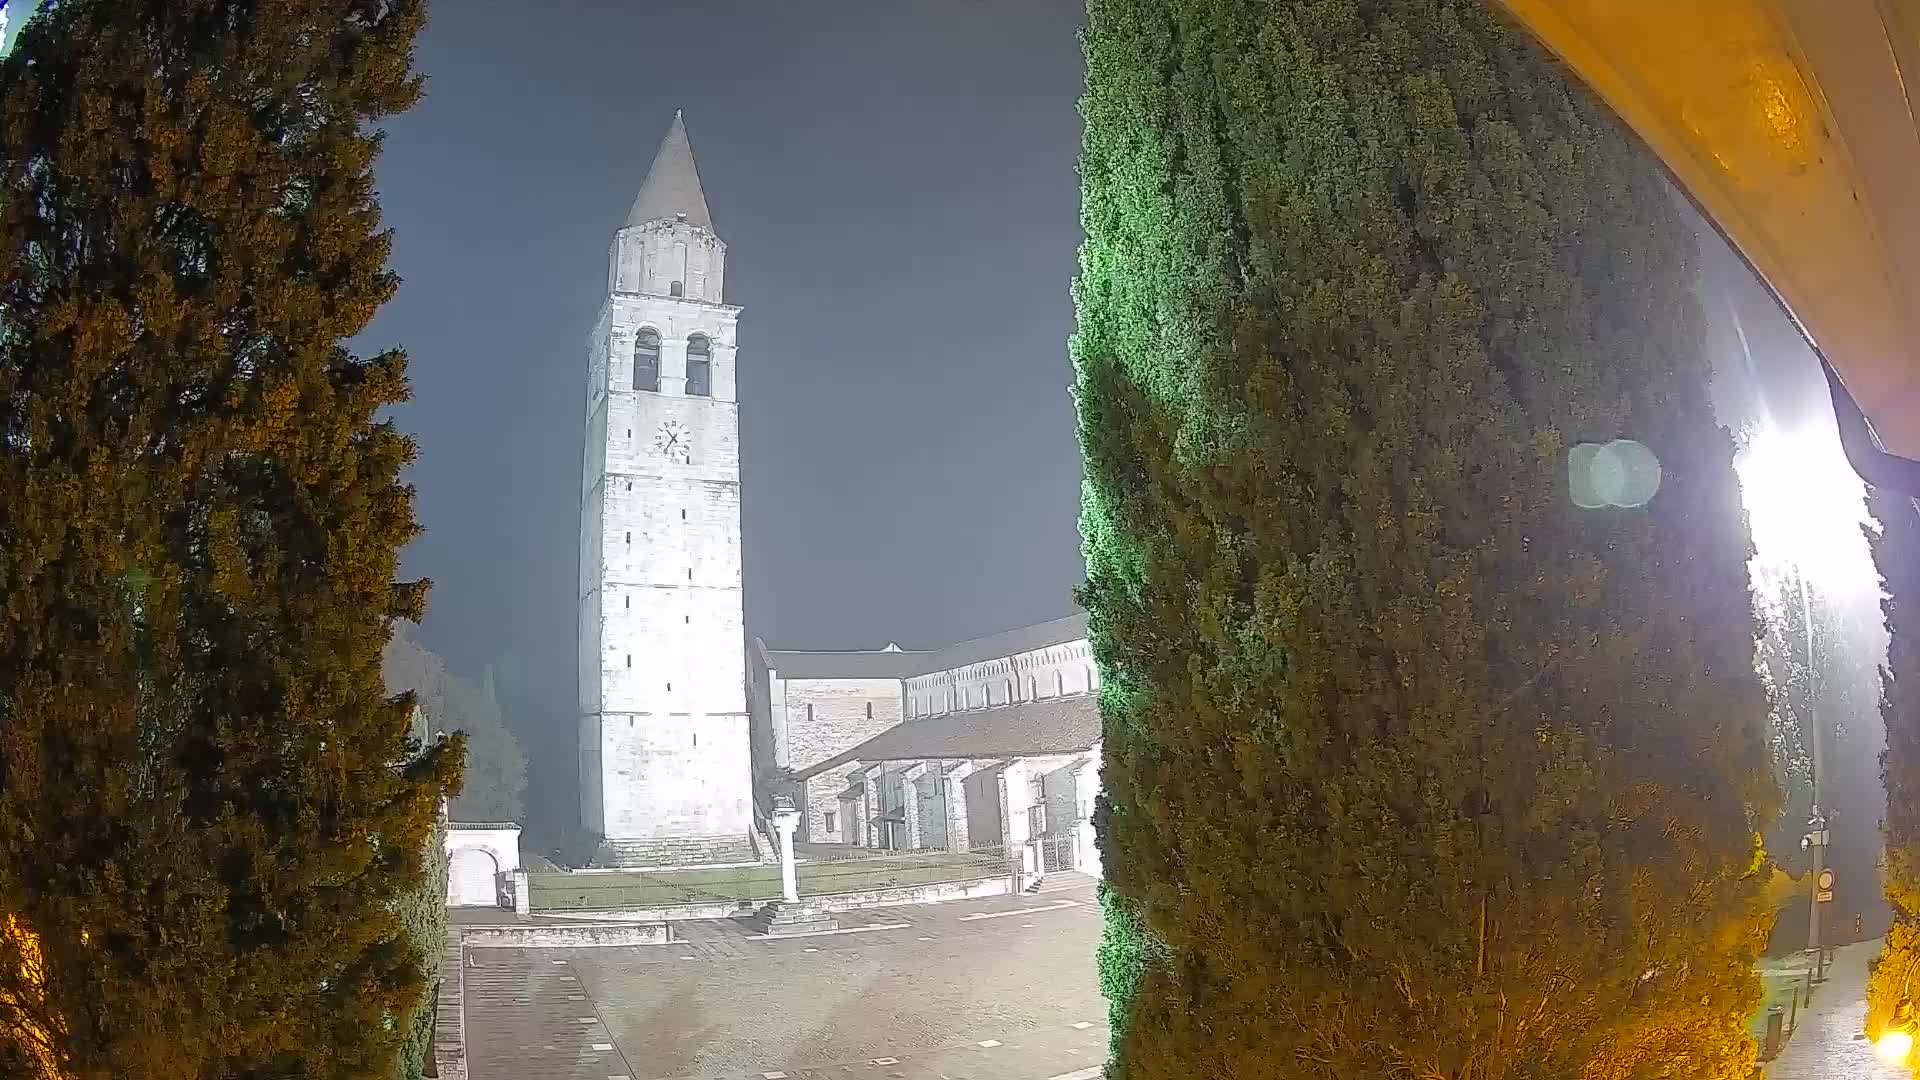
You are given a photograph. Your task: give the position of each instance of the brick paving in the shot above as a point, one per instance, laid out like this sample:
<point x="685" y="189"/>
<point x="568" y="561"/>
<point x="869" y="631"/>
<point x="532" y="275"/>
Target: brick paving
<point x="1829" y="1043"/>
<point x="996" y="989"/>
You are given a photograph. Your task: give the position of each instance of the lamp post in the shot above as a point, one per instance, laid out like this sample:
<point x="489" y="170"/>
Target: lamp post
<point x="1818" y="883"/>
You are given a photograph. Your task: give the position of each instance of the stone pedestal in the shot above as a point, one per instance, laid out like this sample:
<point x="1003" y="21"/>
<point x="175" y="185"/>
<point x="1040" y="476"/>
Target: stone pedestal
<point x="779" y="918"/>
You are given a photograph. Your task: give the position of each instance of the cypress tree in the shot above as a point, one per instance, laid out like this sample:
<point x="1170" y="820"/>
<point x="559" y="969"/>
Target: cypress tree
<point x="1894" y="985"/>
<point x="210" y="808"/>
<point x="1412" y="768"/>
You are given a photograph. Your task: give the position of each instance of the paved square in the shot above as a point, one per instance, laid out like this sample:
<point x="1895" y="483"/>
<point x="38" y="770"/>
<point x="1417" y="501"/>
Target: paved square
<point x="999" y="989"/>
<point x="1830" y="1044"/>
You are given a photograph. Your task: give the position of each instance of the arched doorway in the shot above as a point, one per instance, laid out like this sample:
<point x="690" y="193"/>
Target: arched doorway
<point x="472" y="878"/>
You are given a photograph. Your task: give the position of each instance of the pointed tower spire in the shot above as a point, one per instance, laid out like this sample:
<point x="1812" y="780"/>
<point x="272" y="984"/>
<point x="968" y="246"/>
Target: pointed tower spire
<point x="672" y="187"/>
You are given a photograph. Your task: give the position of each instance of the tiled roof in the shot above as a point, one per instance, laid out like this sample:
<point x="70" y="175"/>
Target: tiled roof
<point x="1022" y="639"/>
<point x="875" y="664"/>
<point x="1026" y="729"/>
<point x="894" y="663"/>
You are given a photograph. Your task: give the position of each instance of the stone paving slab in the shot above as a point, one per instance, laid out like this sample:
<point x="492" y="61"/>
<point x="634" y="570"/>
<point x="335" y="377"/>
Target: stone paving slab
<point x="1829" y="1043"/>
<point x="995" y="989"/>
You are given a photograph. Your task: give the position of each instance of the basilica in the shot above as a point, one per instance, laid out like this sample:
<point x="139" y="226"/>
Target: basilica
<point x="688" y="732"/>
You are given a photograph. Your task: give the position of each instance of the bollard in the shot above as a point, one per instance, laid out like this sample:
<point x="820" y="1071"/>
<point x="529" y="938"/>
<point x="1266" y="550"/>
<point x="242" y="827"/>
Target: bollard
<point x="1776" y="1033"/>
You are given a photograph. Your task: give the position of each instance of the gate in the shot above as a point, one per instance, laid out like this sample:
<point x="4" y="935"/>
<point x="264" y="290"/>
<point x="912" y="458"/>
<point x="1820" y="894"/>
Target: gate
<point x="1057" y="849"/>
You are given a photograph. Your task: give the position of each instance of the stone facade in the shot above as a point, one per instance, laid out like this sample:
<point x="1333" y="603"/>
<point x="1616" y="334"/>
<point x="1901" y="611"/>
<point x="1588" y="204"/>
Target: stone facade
<point x="664" y="733"/>
<point x="1055" y="669"/>
<point x="807" y="707"/>
<point x="825" y="717"/>
<point x="479" y="855"/>
<point x="988" y="745"/>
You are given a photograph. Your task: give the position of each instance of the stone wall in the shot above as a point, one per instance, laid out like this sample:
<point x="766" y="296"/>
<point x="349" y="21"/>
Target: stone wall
<point x="984" y="828"/>
<point x="566" y="936"/>
<point x="824" y="717"/>
<point x="651" y="257"/>
<point x="676" y="775"/>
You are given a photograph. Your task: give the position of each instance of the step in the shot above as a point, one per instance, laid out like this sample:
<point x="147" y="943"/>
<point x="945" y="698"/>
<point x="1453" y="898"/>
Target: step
<point x="779" y="917"/>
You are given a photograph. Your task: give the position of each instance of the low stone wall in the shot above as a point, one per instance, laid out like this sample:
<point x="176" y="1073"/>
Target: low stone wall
<point x="581" y="936"/>
<point x="719" y="909"/>
<point x="901" y="895"/>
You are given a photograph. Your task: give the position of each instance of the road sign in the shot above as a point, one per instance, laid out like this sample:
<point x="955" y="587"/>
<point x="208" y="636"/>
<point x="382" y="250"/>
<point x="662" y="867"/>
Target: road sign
<point x="1826" y="880"/>
<point x="1825" y="896"/>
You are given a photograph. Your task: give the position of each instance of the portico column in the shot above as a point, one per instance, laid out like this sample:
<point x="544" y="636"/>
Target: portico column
<point x="910" y="804"/>
<point x="956" y="806"/>
<point x="1086" y="785"/>
<point x="1014" y="800"/>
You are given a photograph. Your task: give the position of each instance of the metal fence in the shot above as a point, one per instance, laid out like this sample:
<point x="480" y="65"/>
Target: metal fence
<point x="821" y="871"/>
<point x="652" y="888"/>
<point x="868" y="869"/>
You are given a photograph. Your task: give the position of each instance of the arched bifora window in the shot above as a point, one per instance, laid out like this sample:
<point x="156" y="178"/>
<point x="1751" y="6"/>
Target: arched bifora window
<point x="699" y="367"/>
<point x="646" y="361"/>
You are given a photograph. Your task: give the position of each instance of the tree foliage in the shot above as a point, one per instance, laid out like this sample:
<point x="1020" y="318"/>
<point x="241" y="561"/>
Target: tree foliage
<point x="1412" y="769"/>
<point x="1894" y="985"/>
<point x="423" y="916"/>
<point x="494" y="782"/>
<point x="210" y="806"/>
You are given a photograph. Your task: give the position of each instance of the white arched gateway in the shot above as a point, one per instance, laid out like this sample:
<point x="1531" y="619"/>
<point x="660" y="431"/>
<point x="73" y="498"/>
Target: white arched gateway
<point x="479" y="855"/>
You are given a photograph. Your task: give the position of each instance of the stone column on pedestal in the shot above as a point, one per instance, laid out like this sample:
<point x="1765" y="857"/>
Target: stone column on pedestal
<point x="785" y="820"/>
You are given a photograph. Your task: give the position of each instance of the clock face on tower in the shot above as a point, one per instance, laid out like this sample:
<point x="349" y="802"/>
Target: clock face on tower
<point x="673" y="441"/>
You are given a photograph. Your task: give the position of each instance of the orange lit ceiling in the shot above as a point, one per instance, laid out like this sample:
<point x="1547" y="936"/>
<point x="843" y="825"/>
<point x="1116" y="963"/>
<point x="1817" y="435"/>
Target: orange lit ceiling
<point x="1792" y="124"/>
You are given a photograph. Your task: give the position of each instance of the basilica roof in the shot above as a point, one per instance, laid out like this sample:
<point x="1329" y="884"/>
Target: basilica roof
<point x="672" y="188"/>
<point x="1013" y="642"/>
<point x="893" y="662"/>
<point x="865" y="664"/>
<point x="1025" y="729"/>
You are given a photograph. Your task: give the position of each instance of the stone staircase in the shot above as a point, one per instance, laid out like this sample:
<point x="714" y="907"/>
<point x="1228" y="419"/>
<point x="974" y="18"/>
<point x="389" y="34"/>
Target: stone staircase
<point x="779" y="917"/>
<point x="678" y="851"/>
<point x="450" y="1013"/>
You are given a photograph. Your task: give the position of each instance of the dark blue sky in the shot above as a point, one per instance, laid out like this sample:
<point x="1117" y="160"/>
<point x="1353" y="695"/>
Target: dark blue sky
<point x="894" y="179"/>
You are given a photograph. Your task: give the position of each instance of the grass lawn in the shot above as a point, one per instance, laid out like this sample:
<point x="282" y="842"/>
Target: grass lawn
<point x="648" y="888"/>
<point x="1780" y="988"/>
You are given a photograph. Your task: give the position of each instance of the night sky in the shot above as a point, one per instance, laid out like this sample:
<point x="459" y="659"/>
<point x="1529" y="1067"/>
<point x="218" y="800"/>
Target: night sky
<point x="895" y="183"/>
<point x="894" y="180"/>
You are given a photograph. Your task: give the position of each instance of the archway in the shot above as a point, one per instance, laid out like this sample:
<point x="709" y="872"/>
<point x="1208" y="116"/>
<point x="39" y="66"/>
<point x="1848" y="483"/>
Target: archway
<point x="472" y="878"/>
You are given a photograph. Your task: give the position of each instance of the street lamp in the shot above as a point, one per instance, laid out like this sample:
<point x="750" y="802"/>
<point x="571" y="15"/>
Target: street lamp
<point x="1894" y="1046"/>
<point x="1806" y="507"/>
<point x="1895" y="1042"/>
<point x="1815" y="843"/>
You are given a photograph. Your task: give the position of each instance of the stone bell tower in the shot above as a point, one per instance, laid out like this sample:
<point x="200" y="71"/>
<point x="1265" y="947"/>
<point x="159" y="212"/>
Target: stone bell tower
<point x="665" y="774"/>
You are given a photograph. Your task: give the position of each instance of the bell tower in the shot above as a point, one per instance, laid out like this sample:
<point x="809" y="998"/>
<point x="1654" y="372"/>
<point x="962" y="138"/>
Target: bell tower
<point x="665" y="774"/>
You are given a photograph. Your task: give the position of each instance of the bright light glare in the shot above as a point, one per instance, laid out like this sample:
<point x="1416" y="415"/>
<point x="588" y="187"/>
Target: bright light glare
<point x="1806" y="507"/>
<point x="1894" y="1046"/>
